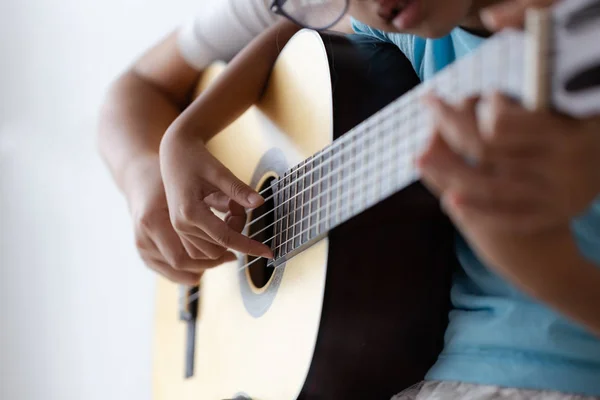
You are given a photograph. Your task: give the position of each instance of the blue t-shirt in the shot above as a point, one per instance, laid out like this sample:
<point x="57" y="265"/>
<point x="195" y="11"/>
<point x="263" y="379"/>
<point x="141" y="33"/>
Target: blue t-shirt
<point x="498" y="335"/>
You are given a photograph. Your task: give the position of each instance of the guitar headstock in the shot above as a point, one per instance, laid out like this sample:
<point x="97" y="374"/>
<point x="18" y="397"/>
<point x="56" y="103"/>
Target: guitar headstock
<point x="576" y="57"/>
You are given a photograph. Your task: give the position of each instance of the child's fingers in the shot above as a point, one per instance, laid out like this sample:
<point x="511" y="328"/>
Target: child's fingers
<point x="494" y="130"/>
<point x="468" y="214"/>
<point x="436" y="187"/>
<point x="458" y="126"/>
<point x="447" y="171"/>
<point x="508" y="129"/>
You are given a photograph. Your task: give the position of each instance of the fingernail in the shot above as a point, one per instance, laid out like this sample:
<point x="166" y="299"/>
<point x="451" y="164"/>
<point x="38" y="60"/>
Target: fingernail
<point x="483" y="113"/>
<point x="268" y="254"/>
<point x="254" y="199"/>
<point x="489" y="19"/>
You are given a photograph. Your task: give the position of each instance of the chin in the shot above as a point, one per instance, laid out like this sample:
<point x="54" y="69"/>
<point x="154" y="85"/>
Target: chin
<point x="424" y="30"/>
<point x="433" y="31"/>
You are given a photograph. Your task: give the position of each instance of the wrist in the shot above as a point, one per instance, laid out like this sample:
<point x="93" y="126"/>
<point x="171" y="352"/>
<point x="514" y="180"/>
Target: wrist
<point x="182" y="132"/>
<point x="551" y="263"/>
<point x="577" y="295"/>
<point x="136" y="171"/>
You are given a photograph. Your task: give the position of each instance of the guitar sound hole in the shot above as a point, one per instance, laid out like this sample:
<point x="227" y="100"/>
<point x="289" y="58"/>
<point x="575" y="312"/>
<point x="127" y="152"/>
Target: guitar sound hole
<point x="263" y="229"/>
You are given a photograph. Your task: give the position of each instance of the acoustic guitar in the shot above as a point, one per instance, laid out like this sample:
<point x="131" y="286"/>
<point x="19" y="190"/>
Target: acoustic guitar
<point x="355" y="303"/>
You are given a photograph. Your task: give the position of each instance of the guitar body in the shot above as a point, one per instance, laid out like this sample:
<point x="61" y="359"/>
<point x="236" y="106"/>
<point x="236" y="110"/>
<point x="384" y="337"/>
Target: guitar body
<point x="361" y="313"/>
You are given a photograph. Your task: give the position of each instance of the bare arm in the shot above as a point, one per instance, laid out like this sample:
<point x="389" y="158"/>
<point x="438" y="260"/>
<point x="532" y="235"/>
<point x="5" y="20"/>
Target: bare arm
<point x="144" y="101"/>
<point x="239" y="87"/>
<point x="188" y="168"/>
<point x="140" y="106"/>
<point x="551" y="268"/>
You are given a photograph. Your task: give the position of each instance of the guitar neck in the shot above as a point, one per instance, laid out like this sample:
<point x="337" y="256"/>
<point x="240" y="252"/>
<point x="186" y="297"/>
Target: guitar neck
<point x="377" y="158"/>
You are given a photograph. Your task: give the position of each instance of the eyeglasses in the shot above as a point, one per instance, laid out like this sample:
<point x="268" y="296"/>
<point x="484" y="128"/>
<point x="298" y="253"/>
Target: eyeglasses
<point x="312" y="14"/>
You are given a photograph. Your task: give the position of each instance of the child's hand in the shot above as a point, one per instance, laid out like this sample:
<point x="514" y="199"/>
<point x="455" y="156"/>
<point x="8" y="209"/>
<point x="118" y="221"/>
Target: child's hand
<point x="531" y="170"/>
<point x="510" y="13"/>
<point x="195" y="181"/>
<point x="156" y="240"/>
<point x="528" y="175"/>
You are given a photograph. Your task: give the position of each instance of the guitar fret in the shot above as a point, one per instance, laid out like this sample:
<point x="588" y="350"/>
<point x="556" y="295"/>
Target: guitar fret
<point x="365" y="159"/>
<point x="297" y="211"/>
<point x="380" y="139"/>
<point x="319" y="201"/>
<point x="334" y="185"/>
<point x="305" y="227"/>
<point x="279" y="220"/>
<point x="340" y="184"/>
<point x="384" y="182"/>
<point x="390" y="147"/>
<point x="330" y="194"/>
<point x="372" y="139"/>
<point x="289" y="212"/>
<point x="312" y="221"/>
<point x="355" y="205"/>
<point x="286" y="210"/>
<point x="326" y="182"/>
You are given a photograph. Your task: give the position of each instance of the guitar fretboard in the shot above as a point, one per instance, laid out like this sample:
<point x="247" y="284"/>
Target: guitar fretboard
<point x="376" y="158"/>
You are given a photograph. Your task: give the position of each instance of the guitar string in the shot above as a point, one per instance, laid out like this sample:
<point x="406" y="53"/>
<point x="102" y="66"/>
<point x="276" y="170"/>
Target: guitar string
<point x="337" y="185"/>
<point x="345" y="181"/>
<point x="353" y="134"/>
<point x="356" y="141"/>
<point x="399" y="104"/>
<point x="348" y="137"/>
<point x="343" y="165"/>
<point x="487" y="48"/>
<point x="329" y="149"/>
<point x="482" y="86"/>
<point x="364" y="203"/>
<point x="330" y="223"/>
<point x="407" y="106"/>
<point x="390" y="169"/>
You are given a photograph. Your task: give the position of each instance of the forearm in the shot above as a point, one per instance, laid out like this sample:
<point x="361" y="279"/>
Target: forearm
<point x="553" y="270"/>
<point x="140" y="106"/>
<point x="578" y="296"/>
<point x="133" y="121"/>
<point x="240" y="86"/>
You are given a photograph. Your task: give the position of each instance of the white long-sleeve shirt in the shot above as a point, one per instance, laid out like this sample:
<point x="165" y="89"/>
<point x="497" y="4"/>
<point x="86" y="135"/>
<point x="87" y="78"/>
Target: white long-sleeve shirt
<point x="222" y="29"/>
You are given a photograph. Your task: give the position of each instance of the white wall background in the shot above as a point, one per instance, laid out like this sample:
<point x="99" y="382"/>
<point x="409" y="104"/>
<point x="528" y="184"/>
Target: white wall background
<point x="76" y="304"/>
